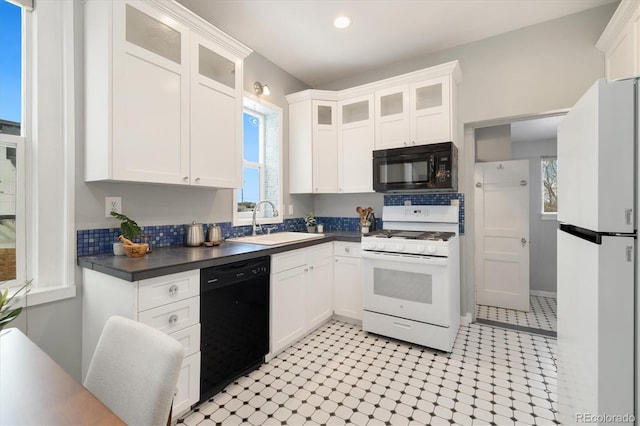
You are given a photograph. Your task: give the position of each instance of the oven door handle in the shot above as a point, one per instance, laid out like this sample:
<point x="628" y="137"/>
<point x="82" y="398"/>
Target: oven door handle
<point x="404" y="258"/>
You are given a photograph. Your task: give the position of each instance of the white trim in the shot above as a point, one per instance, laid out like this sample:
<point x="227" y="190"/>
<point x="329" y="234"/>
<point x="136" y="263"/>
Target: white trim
<point x="543" y="293"/>
<point x="40" y="296"/>
<point x="549" y="216"/>
<point x="466" y="319"/>
<point x="620" y="17"/>
<point x="253" y="103"/>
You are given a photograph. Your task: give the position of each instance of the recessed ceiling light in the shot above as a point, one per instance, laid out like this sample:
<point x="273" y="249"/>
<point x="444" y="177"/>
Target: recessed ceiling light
<point x="342" y="22"/>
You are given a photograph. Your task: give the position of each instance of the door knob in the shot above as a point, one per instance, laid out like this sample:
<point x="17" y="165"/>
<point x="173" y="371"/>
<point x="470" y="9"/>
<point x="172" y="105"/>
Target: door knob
<point x="523" y="241"/>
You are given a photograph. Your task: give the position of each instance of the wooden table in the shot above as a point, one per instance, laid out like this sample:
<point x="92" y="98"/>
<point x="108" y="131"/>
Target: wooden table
<point x="36" y="390"/>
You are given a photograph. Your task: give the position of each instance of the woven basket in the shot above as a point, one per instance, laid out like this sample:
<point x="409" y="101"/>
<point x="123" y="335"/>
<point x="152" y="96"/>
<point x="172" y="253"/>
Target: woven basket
<point x="135" y="250"/>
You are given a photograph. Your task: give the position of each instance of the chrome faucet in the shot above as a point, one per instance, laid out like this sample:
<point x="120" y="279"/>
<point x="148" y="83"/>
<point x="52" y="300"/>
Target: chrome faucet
<point x="255" y="210"/>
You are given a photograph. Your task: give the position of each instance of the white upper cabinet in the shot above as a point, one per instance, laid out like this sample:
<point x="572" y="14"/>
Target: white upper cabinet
<point x="325" y="147"/>
<point x="313" y="143"/>
<point x="620" y="42"/>
<point x="332" y="135"/>
<point x="355" y="144"/>
<point x="392" y="119"/>
<point x="216" y="113"/>
<point x="415" y="114"/>
<point x="163" y="96"/>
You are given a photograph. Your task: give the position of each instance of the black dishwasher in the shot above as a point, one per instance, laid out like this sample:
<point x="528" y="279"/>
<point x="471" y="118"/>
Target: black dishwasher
<point x="234" y="318"/>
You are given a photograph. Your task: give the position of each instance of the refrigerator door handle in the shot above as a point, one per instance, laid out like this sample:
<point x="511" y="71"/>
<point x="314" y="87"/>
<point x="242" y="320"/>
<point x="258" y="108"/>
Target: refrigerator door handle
<point x="629" y="250"/>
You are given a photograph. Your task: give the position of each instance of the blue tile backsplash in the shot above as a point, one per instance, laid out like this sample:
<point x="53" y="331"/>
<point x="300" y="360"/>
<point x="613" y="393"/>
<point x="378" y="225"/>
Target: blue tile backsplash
<point x="99" y="241"/>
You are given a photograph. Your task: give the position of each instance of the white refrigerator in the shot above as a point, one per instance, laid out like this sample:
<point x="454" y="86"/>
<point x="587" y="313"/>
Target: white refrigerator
<point x="597" y="278"/>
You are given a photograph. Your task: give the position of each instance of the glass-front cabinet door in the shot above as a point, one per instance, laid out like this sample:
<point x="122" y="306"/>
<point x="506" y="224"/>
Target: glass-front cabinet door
<point x="431" y="111"/>
<point x="392" y="118"/>
<point x="150" y="111"/>
<point x="325" y="147"/>
<point x="355" y="144"/>
<point x="216" y="114"/>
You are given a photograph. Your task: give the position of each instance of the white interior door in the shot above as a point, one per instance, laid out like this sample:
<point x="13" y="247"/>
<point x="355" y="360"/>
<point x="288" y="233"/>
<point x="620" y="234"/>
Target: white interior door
<point x="502" y="234"/>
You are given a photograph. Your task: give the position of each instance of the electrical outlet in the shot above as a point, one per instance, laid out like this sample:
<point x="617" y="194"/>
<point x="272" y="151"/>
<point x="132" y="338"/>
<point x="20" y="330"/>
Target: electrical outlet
<point x="112" y="204"/>
<point x="290" y="208"/>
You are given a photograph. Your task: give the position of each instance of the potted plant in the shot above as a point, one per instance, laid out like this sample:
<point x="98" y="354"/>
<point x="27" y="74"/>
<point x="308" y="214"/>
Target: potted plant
<point x="310" y="221"/>
<point x="7" y="312"/>
<point x="128" y="228"/>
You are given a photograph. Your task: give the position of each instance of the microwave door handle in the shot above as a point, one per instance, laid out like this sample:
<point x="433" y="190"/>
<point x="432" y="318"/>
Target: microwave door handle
<point x="432" y="168"/>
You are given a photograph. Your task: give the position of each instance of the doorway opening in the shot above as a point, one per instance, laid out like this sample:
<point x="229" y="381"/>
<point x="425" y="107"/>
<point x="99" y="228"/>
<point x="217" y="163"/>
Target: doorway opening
<point x="506" y="263"/>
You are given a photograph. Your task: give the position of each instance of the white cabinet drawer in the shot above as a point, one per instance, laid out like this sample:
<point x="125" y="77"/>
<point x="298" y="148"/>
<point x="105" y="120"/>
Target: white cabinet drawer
<point x="288" y="260"/>
<point x="320" y="251"/>
<point x="174" y="317"/>
<point x="346" y="249"/>
<point x="167" y="289"/>
<point x="188" y="387"/>
<point x="190" y="339"/>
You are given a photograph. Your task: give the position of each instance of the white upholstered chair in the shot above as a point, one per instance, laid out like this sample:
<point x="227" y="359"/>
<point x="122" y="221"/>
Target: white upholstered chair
<point x="134" y="371"/>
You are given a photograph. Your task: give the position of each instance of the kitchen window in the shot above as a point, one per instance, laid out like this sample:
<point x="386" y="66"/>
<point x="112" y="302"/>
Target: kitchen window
<point x="44" y="145"/>
<point x="549" y="174"/>
<point x="261" y="163"/>
<point x="12" y="142"/>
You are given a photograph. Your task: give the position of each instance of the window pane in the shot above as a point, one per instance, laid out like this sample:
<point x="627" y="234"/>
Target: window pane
<point x="251" y="143"/>
<point x="249" y="194"/>
<point x="10" y="68"/>
<point x="549" y="185"/>
<point x="7" y="213"/>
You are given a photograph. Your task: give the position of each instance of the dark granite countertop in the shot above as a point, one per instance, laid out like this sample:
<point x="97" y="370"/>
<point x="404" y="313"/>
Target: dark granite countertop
<point x="170" y="260"/>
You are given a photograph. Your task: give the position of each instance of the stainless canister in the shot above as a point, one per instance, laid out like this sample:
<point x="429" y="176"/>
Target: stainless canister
<point x="214" y="234"/>
<point x="194" y="235"/>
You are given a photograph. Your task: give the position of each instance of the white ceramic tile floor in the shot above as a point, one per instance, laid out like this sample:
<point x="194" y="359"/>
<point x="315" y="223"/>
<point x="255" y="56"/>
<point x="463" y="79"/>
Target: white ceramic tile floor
<point x="342" y="375"/>
<point x="542" y="314"/>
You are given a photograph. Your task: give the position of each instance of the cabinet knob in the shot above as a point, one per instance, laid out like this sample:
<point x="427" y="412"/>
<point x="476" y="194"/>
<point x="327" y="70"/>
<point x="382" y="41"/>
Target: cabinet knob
<point x="347" y="249"/>
<point x="173" y="319"/>
<point x="311" y="267"/>
<point x="197" y="179"/>
<point x="173" y="290"/>
<point x="186" y="178"/>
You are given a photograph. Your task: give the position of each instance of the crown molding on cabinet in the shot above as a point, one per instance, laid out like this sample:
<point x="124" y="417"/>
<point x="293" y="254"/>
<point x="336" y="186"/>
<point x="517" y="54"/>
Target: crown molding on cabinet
<point x="620" y="18"/>
<point x="449" y="68"/>
<point x="202" y="27"/>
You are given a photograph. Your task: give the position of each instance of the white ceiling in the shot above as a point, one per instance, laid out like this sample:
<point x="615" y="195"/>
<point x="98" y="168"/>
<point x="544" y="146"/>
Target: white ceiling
<point x="299" y="36"/>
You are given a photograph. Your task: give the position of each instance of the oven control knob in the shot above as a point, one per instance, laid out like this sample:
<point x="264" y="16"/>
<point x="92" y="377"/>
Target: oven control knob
<point x="379" y="246"/>
<point x="431" y="249"/>
<point x="420" y="249"/>
<point x="399" y="247"/>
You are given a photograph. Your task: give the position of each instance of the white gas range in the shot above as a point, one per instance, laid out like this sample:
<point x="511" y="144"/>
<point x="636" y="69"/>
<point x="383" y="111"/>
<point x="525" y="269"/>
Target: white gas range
<point x="411" y="276"/>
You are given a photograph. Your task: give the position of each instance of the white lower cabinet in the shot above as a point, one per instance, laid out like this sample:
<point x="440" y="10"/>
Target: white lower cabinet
<point x="288" y="307"/>
<point x="347" y="280"/>
<point x="301" y="293"/>
<point x="169" y="303"/>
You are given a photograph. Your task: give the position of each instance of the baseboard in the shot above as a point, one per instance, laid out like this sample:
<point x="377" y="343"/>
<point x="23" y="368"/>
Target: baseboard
<point x="465" y="319"/>
<point x="543" y="293"/>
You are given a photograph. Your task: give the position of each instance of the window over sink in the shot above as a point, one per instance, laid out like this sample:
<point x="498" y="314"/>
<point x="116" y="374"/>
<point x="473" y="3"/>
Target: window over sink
<point x="261" y="163"/>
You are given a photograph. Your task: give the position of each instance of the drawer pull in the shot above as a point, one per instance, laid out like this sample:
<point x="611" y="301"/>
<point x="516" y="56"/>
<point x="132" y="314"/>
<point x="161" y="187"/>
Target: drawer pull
<point x="173" y="290"/>
<point x="173" y="319"/>
<point x="401" y="325"/>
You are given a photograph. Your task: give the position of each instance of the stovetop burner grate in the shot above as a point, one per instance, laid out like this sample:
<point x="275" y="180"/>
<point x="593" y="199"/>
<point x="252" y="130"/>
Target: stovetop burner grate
<point x="412" y="235"/>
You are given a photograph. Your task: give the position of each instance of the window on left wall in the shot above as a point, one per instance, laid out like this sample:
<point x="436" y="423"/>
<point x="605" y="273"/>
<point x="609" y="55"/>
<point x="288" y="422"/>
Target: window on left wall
<point x="261" y="163"/>
<point x="12" y="142"/>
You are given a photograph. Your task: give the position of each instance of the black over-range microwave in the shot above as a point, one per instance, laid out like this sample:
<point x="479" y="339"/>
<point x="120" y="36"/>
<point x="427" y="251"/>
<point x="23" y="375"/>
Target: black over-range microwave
<point x="422" y="168"/>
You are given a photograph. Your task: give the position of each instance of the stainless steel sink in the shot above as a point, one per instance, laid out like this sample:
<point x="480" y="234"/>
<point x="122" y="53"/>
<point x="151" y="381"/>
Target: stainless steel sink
<point x="276" y="238"/>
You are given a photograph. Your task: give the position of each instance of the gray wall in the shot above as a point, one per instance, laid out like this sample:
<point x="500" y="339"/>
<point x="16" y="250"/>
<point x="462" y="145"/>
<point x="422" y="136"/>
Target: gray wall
<point x="542" y="233"/>
<point x="493" y="143"/>
<point x="540" y="68"/>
